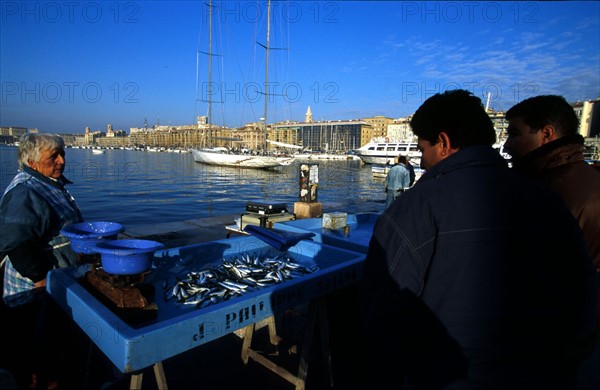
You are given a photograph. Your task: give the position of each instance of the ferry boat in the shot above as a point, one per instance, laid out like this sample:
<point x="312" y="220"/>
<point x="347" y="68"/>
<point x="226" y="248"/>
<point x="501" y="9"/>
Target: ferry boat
<point x="384" y="153"/>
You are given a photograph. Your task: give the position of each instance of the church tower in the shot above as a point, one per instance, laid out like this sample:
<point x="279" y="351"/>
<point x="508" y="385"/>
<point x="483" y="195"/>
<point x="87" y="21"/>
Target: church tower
<point x="308" y="116"/>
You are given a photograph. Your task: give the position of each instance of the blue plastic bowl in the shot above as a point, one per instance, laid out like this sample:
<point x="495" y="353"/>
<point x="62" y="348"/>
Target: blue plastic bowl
<point x="127" y="257"/>
<point x="84" y="236"/>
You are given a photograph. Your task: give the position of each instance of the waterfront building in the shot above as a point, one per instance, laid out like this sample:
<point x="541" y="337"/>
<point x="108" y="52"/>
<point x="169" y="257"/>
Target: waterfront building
<point x="330" y="135"/>
<point x="175" y="136"/>
<point x="379" y="128"/>
<point x="323" y="135"/>
<point x="11" y="134"/>
<point x="400" y="129"/>
<point x="500" y="123"/>
<point x="588" y="113"/>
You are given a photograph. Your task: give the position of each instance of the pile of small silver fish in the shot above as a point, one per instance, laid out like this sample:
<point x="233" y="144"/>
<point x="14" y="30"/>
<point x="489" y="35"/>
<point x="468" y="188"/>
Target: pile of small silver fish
<point x="233" y="277"/>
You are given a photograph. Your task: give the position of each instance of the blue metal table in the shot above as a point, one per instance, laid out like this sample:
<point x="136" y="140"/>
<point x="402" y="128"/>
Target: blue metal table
<point x="178" y="328"/>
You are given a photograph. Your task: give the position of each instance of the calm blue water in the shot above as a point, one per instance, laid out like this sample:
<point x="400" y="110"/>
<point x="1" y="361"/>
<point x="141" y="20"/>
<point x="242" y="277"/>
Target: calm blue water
<point x="140" y="188"/>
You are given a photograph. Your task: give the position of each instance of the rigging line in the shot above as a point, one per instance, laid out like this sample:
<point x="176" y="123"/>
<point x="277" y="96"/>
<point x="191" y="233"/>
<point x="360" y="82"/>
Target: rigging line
<point x="214" y="55"/>
<point x="196" y="99"/>
<point x="209" y="115"/>
<point x="243" y="86"/>
<point x="267" y="50"/>
<point x="287" y="69"/>
<point x="274" y="64"/>
<point x="255" y="61"/>
<point x="272" y="48"/>
<point x="198" y="46"/>
<point x="222" y="76"/>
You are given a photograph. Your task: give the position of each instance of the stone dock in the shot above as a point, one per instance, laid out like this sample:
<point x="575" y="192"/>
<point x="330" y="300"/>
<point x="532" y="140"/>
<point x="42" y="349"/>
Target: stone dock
<point x="207" y="229"/>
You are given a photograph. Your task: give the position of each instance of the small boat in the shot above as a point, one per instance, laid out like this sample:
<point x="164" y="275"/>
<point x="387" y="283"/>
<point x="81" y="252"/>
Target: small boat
<point x="97" y="151"/>
<point x="380" y="171"/>
<point x="382" y="153"/>
<point x="324" y="156"/>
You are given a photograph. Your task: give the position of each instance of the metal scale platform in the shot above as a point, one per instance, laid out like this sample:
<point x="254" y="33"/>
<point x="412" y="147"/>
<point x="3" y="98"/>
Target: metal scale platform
<point x="263" y="215"/>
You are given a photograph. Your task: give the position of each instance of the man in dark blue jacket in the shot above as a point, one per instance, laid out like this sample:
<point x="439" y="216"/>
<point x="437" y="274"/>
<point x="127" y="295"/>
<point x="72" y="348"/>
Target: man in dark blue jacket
<point x="479" y="277"/>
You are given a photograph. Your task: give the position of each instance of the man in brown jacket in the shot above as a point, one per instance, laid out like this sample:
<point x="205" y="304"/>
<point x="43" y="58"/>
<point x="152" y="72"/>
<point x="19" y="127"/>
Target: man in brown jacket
<point x="544" y="144"/>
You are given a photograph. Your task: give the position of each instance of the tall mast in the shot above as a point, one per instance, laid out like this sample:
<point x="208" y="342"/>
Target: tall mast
<point x="267" y="49"/>
<point x="209" y="114"/>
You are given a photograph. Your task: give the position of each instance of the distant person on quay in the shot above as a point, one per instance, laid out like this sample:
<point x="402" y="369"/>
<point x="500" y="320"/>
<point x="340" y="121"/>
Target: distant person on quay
<point x="479" y="278"/>
<point x="34" y="208"/>
<point x="396" y="181"/>
<point x="411" y="170"/>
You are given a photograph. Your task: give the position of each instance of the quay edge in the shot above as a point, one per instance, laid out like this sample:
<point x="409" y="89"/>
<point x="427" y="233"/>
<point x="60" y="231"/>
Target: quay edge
<point x="199" y="230"/>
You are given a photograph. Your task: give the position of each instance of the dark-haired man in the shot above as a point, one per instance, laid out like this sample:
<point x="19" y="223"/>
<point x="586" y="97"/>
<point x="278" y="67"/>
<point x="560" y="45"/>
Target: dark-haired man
<point x="544" y="145"/>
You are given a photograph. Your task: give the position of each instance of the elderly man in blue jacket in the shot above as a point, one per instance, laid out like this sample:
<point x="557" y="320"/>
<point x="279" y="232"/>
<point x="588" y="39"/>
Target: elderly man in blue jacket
<point x="34" y="208"/>
<point x="479" y="278"/>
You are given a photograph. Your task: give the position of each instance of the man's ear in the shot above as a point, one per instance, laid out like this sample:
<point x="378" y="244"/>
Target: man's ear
<point x="445" y="145"/>
<point x="549" y="134"/>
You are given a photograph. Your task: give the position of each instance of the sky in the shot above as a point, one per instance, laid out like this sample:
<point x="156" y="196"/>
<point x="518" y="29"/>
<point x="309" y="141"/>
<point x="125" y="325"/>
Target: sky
<point x="68" y="65"/>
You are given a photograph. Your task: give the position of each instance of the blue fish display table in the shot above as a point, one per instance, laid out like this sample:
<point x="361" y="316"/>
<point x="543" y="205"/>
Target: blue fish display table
<point x="175" y="328"/>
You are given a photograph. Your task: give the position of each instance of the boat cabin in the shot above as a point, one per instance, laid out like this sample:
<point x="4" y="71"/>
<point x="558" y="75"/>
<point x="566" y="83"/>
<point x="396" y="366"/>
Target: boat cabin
<point x="395" y="148"/>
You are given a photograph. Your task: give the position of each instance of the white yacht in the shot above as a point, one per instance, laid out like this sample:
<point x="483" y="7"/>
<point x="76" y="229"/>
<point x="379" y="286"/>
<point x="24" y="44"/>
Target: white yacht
<point x="385" y="152"/>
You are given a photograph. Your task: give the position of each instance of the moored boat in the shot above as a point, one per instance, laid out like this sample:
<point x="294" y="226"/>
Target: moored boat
<point x="385" y="152"/>
<point x="222" y="157"/>
<point x="380" y="171"/>
<point x="324" y="156"/>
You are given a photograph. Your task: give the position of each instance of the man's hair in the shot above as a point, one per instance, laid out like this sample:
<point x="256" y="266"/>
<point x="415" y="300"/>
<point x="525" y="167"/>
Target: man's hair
<point x="457" y="113"/>
<point x="31" y="146"/>
<point x="543" y="110"/>
<point x="402" y="159"/>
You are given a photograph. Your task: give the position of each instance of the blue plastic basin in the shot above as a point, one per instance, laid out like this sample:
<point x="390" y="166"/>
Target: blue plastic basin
<point x="127" y="257"/>
<point x="84" y="236"/>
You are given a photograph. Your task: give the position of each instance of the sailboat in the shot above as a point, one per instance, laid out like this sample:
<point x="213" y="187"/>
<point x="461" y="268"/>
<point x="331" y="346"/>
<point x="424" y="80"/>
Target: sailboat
<point x="222" y="156"/>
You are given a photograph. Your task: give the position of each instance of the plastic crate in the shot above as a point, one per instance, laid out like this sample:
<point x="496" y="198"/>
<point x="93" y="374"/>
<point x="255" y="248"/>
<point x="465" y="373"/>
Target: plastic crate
<point x="355" y="238"/>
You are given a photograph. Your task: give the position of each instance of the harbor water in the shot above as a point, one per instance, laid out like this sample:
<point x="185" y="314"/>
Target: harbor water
<point x="137" y="188"/>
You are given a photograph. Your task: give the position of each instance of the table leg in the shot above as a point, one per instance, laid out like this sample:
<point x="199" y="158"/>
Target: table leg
<point x="248" y="332"/>
<point x="316" y="321"/>
<point x="136" y="381"/>
<point x="159" y="373"/>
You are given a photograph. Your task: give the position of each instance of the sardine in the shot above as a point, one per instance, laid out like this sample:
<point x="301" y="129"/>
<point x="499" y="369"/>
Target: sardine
<point x="233" y="277"/>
